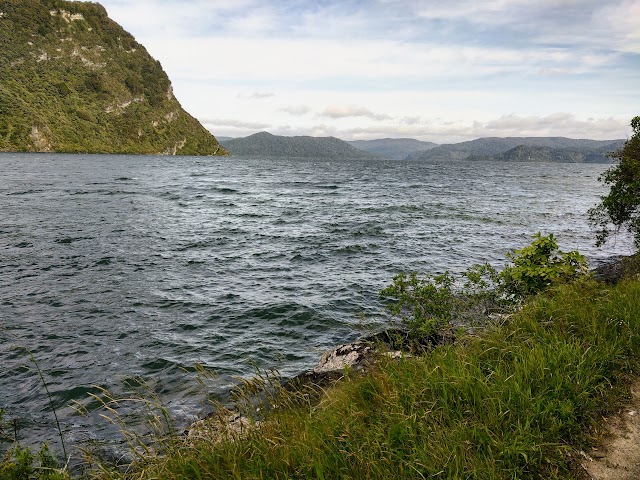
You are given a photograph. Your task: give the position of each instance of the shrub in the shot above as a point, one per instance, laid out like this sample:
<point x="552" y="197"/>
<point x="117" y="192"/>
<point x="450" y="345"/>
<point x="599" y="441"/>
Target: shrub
<point x="423" y="304"/>
<point x="621" y="207"/>
<point x="540" y="265"/>
<point x="430" y="303"/>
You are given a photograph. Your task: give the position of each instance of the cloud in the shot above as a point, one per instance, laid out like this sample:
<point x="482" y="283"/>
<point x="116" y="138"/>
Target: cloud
<point x="344" y="111"/>
<point x="257" y="95"/>
<point x="411" y="120"/>
<point x="278" y="64"/>
<point x="443" y="130"/>
<point x="296" y="110"/>
<point x="557" y="124"/>
<point x="621" y="21"/>
<point x="611" y="25"/>
<point x="253" y="22"/>
<point x="230" y="122"/>
<point x="397" y="67"/>
<point x="179" y="18"/>
<point x="321" y="130"/>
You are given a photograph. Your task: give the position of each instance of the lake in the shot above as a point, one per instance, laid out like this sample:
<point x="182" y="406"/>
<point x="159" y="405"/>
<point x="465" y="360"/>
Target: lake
<point x="116" y="269"/>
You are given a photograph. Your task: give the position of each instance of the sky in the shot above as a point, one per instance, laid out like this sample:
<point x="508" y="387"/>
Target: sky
<point x="432" y="70"/>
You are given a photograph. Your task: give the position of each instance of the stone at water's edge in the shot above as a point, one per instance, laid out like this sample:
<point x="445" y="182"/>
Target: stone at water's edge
<point x="352" y="355"/>
<point x="356" y="356"/>
<point x="221" y="426"/>
<point x="617" y="267"/>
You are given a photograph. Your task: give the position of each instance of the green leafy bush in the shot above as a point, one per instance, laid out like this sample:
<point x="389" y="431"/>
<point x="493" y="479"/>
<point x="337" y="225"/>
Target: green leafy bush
<point x="423" y="304"/>
<point x="430" y="303"/>
<point x="21" y="464"/>
<point x="540" y="265"/>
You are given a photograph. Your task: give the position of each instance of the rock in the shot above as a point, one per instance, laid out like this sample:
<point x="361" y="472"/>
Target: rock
<point x="356" y="356"/>
<point x="352" y="355"/>
<point x="396" y="354"/>
<point x="615" y="268"/>
<point x="223" y="425"/>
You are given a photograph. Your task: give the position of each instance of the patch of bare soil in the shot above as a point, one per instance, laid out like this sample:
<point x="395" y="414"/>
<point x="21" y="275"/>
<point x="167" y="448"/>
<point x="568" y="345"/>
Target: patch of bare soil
<point x="618" y="458"/>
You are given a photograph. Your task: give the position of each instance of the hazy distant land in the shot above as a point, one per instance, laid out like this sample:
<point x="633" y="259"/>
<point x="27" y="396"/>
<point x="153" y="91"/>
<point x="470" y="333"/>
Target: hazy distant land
<point x="508" y="149"/>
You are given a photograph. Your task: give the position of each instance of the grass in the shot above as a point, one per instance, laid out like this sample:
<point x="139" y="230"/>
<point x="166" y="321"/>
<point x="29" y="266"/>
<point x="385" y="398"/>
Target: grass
<point x="515" y="401"/>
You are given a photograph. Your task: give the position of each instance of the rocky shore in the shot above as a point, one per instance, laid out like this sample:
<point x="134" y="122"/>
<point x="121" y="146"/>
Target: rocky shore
<point x="364" y="353"/>
<point x="356" y="357"/>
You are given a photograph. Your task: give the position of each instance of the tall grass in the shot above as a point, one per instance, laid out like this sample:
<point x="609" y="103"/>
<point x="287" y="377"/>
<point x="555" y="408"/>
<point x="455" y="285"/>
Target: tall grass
<point x="515" y="401"/>
<point x="18" y="462"/>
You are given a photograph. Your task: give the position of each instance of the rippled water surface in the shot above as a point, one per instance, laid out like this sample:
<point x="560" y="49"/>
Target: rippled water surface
<point x="113" y="267"/>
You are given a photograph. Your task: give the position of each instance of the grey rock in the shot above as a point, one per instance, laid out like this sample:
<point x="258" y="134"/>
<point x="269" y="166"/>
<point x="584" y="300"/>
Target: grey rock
<point x="353" y="355"/>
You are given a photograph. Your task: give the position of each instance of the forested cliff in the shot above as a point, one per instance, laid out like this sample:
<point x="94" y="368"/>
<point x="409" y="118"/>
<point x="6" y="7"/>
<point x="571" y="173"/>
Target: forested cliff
<point x="72" y="80"/>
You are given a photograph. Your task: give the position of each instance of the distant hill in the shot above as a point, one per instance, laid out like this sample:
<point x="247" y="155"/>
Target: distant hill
<point x="268" y="145"/>
<point x="594" y="150"/>
<point x="393" y="148"/>
<point x="523" y="153"/>
<point x="72" y="80"/>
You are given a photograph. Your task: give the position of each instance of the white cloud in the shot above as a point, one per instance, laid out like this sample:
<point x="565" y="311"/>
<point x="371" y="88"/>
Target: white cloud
<point x="230" y="122"/>
<point x="371" y="62"/>
<point x="557" y="124"/>
<point x="352" y="68"/>
<point x="253" y="22"/>
<point x="257" y="95"/>
<point x="444" y="131"/>
<point x="621" y="21"/>
<point x="297" y="110"/>
<point x="346" y="111"/>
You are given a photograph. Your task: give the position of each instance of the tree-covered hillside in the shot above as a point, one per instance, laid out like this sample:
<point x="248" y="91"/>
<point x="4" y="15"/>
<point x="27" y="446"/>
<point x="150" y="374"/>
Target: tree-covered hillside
<point x="393" y="148"/>
<point x="72" y="80"/>
<point x="496" y="146"/>
<point x="268" y="145"/>
<point x="523" y="153"/>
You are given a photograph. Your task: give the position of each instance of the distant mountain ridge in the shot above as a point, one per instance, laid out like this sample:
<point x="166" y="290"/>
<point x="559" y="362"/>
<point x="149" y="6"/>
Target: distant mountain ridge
<point x="483" y="148"/>
<point x="72" y="80"/>
<point x="393" y="148"/>
<point x="507" y="149"/>
<point x="524" y="153"/>
<point x="268" y="145"/>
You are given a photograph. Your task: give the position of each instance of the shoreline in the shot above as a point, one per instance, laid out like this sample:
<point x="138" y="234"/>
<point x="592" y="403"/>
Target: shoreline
<point x="547" y="309"/>
<point x="392" y="342"/>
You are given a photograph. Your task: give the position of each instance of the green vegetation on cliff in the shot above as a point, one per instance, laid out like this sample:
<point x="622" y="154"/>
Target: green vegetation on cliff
<point x="72" y="80"/>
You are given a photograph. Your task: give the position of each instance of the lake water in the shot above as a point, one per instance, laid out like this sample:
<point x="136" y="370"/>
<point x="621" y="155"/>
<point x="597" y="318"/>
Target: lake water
<point x="118" y="267"/>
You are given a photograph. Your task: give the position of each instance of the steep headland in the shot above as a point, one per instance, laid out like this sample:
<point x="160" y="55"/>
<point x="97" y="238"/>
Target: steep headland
<point x="268" y="145"/>
<point x="72" y="80"/>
